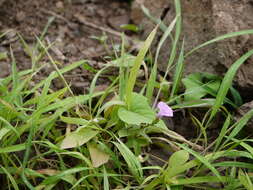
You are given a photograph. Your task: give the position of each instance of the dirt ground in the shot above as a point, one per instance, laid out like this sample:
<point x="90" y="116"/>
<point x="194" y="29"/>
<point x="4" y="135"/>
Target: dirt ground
<point x="76" y="25"/>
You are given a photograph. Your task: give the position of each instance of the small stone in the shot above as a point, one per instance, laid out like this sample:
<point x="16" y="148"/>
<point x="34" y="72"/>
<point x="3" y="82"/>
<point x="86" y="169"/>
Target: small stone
<point x="20" y="16"/>
<point x="59" y="5"/>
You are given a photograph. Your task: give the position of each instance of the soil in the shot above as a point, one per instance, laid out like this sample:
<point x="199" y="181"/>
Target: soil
<point x="76" y="24"/>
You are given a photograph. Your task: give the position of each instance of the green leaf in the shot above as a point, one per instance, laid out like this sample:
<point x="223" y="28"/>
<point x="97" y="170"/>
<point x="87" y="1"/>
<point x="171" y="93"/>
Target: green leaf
<point x="177" y="163"/>
<point x="178" y="158"/>
<point x="196" y="89"/>
<point x="78" y="138"/>
<point x="139" y="111"/>
<point x="193" y="91"/>
<point x="87" y="67"/>
<point x="74" y="120"/>
<point x="132" y="118"/>
<point x="130" y="27"/>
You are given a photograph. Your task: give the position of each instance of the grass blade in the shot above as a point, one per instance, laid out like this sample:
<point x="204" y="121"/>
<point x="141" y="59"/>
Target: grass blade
<point x="223" y="37"/>
<point x="14" y="148"/>
<point x="137" y="63"/>
<point x="132" y="162"/>
<point x="204" y="179"/>
<point x="227" y="82"/>
<point x="54" y="74"/>
<point x="202" y="160"/>
<point x="53" y="179"/>
<point x="238" y="126"/>
<point x="106" y="182"/>
<point x="178" y="73"/>
<point x="223" y="132"/>
<point x="174" y="46"/>
<point x="157" y="21"/>
<point x="152" y="79"/>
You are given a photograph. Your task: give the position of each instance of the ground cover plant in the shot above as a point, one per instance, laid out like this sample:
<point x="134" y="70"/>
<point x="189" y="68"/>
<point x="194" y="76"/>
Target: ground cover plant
<point x="54" y="139"/>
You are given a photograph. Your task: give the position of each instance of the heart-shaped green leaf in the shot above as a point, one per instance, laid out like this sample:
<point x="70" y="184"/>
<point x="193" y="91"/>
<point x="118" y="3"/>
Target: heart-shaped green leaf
<point x="139" y="111"/>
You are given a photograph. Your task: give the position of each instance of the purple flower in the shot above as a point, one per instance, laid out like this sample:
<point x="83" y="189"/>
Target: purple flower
<point x="164" y="110"/>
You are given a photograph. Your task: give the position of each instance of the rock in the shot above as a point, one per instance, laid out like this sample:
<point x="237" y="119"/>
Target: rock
<point x="230" y="17"/>
<point x="1" y="2"/>
<point x="20" y="16"/>
<point x="204" y="20"/>
<point x="59" y="5"/>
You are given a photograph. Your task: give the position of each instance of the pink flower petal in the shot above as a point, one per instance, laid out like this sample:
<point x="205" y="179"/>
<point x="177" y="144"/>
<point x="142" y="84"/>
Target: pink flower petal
<point x="164" y="110"/>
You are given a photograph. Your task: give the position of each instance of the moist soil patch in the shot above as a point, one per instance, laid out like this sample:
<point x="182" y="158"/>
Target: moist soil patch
<point x="75" y="31"/>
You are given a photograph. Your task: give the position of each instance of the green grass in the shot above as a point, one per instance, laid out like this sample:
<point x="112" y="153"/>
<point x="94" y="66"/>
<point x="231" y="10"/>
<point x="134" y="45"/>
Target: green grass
<point x="54" y="139"/>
